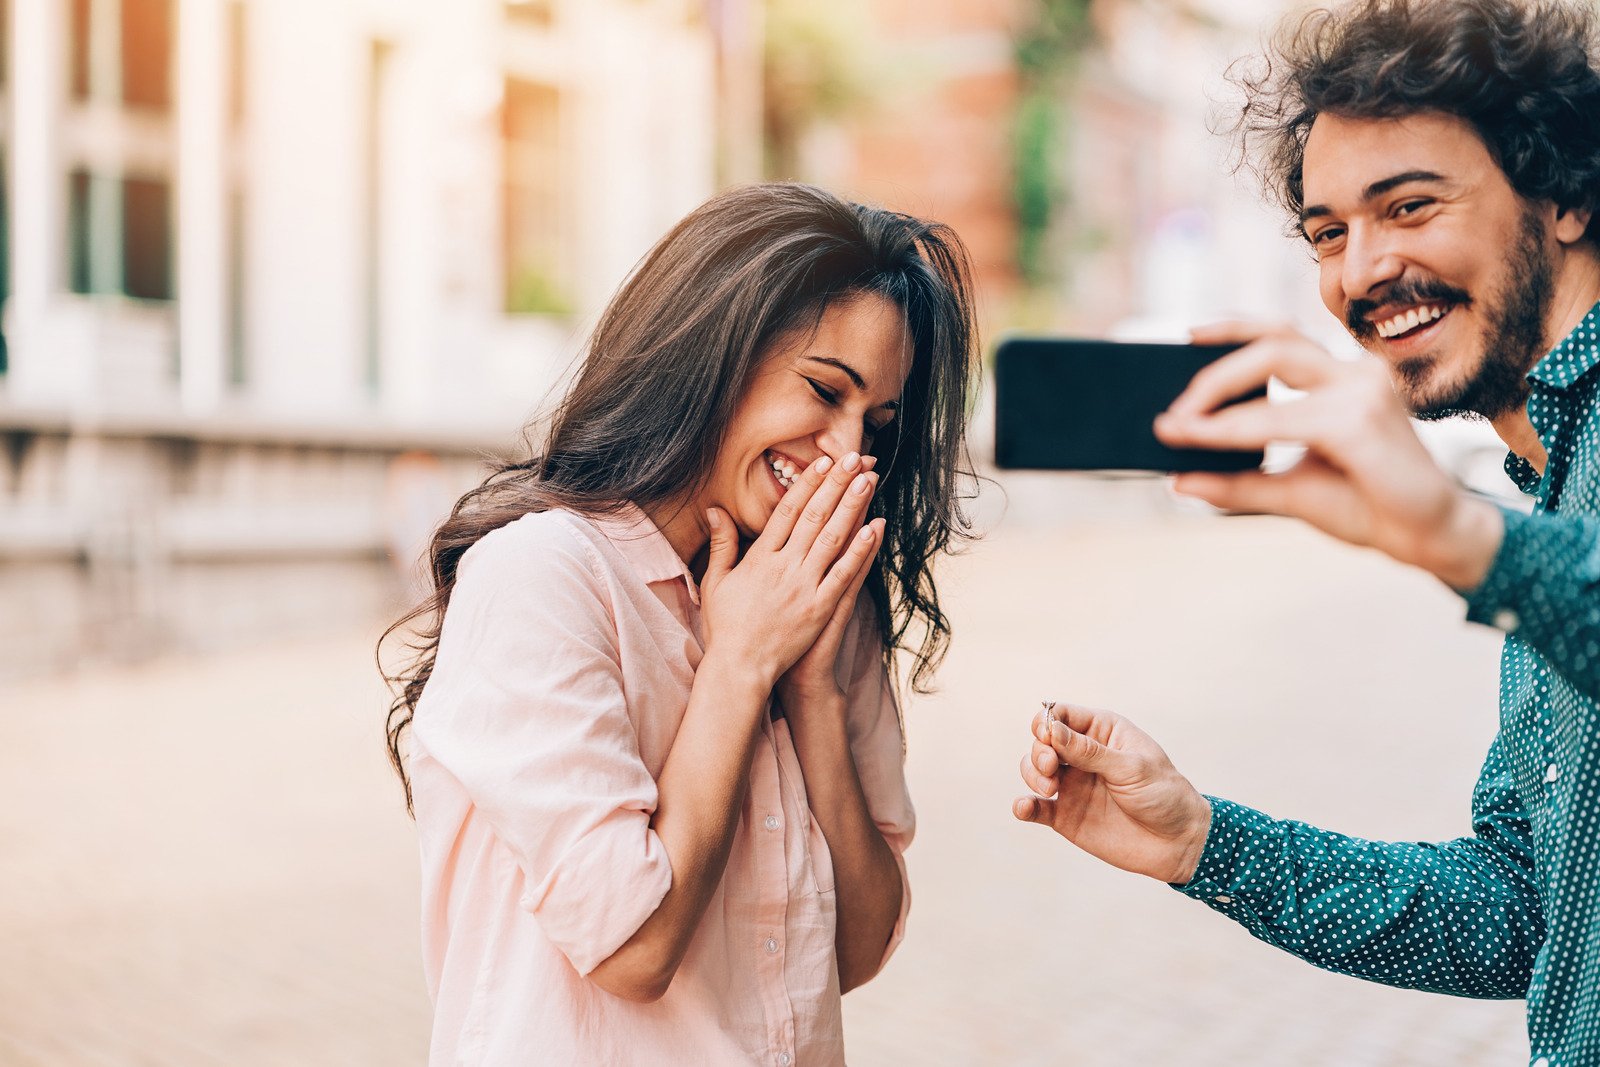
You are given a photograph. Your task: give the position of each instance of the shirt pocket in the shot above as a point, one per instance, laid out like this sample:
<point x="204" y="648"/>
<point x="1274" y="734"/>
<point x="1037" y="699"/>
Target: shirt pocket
<point x="819" y="857"/>
<point x="816" y="874"/>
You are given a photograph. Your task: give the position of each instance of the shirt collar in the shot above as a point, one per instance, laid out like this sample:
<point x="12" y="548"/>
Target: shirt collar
<point x="645" y="547"/>
<point x="1576" y="355"/>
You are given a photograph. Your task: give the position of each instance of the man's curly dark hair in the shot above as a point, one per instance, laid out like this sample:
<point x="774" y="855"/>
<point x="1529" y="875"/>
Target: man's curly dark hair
<point x="1520" y="72"/>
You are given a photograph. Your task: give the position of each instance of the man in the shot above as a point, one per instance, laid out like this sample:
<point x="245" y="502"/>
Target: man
<point x="1442" y="159"/>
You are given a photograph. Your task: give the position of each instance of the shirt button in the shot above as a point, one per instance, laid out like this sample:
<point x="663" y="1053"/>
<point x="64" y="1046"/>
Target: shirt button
<point x="1508" y="620"/>
<point x="772" y="946"/>
<point x="784" y="1059"/>
<point x="772" y="822"/>
<point x="1224" y="899"/>
<point x="1552" y="772"/>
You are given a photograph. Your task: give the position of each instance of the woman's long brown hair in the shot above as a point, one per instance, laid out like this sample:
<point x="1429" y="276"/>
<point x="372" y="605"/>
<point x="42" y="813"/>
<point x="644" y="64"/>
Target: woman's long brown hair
<point x="668" y="362"/>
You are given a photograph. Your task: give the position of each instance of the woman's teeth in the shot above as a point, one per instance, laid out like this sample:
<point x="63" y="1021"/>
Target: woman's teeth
<point x="784" y="470"/>
<point x="1410" y="320"/>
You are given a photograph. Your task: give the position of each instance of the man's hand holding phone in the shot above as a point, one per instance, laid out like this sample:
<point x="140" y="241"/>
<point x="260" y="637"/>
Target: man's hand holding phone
<point x="1365" y="477"/>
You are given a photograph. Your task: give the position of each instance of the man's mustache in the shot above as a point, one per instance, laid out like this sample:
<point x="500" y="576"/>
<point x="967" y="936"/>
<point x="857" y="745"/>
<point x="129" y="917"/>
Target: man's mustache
<point x="1404" y="291"/>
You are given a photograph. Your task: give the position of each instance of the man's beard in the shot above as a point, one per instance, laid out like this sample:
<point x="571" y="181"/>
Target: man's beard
<point x="1515" y="340"/>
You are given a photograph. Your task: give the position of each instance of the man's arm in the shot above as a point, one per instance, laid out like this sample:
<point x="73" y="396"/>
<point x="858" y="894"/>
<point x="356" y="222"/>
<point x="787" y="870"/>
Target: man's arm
<point x="1544" y="586"/>
<point x="1460" y="917"/>
<point x="1366" y="479"/>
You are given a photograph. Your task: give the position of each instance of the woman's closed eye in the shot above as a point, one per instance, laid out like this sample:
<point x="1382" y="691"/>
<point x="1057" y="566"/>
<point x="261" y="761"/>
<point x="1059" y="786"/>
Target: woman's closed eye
<point x="831" y="398"/>
<point x="823" y="391"/>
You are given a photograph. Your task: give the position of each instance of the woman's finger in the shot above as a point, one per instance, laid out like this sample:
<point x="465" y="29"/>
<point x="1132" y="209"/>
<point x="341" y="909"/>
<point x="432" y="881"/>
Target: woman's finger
<point x="833" y="633"/>
<point x="822" y="505"/>
<point x="724" y="551"/>
<point x="856" y="558"/>
<point x="789" y="509"/>
<point x="845" y="521"/>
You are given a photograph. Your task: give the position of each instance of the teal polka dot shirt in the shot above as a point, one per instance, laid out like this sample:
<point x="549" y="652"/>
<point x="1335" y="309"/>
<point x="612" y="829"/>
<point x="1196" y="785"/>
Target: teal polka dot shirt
<point x="1512" y="911"/>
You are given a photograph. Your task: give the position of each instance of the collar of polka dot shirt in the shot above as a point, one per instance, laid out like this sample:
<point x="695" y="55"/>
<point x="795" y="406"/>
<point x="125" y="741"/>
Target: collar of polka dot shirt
<point x="1512" y="910"/>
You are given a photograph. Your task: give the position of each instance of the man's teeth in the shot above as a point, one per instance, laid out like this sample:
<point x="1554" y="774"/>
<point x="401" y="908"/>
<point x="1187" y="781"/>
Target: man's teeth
<point x="1409" y="320"/>
<point x="784" y="470"/>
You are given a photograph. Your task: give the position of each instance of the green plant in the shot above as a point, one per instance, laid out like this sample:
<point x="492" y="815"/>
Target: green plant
<point x="814" y="68"/>
<point x="1047" y="53"/>
<point x="532" y="291"/>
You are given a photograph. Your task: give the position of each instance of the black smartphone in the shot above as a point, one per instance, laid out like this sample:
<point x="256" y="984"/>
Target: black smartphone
<point x="1066" y="404"/>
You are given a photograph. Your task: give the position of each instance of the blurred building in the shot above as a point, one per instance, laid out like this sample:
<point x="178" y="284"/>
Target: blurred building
<point x="1147" y="227"/>
<point x="276" y="272"/>
<point x="1158" y="229"/>
<point x="929" y="127"/>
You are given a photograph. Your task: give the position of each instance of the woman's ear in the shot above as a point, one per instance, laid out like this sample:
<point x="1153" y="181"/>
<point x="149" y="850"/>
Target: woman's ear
<point x="1572" y="223"/>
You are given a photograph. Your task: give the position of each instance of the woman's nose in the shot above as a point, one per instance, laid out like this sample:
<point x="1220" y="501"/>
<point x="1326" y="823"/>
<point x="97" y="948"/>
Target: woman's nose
<point x="840" y="439"/>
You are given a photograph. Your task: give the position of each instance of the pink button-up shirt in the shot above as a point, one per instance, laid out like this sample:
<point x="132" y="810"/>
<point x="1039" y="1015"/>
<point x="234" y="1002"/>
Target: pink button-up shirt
<point x="563" y="672"/>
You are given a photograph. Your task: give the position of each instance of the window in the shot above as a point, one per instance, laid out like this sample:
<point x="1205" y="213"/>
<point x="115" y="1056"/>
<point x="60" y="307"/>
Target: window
<point x="120" y="204"/>
<point x="121" y="52"/>
<point x="121" y="235"/>
<point x="147" y="53"/>
<point x="531" y="12"/>
<point x="238" y="25"/>
<point x="534" y="253"/>
<point x="378" y="71"/>
<point x="5" y="174"/>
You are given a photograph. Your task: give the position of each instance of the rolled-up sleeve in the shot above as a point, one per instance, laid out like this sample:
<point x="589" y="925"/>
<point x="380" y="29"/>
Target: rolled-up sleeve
<point x="877" y="743"/>
<point x="526" y="709"/>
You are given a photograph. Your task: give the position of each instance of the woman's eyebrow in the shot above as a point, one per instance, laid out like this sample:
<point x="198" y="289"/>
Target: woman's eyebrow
<point x="854" y="375"/>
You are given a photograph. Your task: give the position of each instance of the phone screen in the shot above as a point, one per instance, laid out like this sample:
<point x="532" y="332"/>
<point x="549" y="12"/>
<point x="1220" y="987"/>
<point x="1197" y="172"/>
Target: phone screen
<point x="1065" y="404"/>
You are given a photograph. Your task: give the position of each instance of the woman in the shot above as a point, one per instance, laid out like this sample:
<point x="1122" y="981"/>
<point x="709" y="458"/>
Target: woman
<point x="655" y="757"/>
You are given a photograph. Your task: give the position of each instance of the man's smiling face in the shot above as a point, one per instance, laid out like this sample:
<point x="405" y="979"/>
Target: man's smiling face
<point x="1429" y="257"/>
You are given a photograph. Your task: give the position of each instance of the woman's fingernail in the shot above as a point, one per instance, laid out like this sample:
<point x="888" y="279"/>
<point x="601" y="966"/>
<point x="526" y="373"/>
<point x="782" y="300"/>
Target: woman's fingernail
<point x="823" y="465"/>
<point x="852" y="461"/>
<point x="866" y="533"/>
<point x="861" y="484"/>
<point x="1039" y="762"/>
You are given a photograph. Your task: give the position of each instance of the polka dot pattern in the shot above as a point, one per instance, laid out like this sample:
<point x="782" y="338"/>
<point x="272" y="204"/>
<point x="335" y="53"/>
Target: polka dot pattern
<point x="1514" y="910"/>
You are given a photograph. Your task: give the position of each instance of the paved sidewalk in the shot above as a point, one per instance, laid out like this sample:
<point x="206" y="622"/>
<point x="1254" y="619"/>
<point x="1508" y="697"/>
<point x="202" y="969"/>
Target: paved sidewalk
<point x="205" y="862"/>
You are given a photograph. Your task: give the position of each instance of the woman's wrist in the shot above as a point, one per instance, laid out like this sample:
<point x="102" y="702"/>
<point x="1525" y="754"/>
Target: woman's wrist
<point x="740" y="677"/>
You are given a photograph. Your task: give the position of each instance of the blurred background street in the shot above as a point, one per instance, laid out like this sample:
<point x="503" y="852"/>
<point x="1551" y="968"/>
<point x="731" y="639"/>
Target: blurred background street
<point x="277" y="275"/>
<point x="208" y="861"/>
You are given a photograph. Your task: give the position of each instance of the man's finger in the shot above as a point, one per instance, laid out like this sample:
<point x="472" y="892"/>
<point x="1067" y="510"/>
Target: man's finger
<point x="1079" y="717"/>
<point x="1245" y="427"/>
<point x="1293" y="360"/>
<point x="1236" y="332"/>
<point x="1034" y="809"/>
<point x="1043" y="784"/>
<point x="1082" y="751"/>
<point x="1310" y="490"/>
